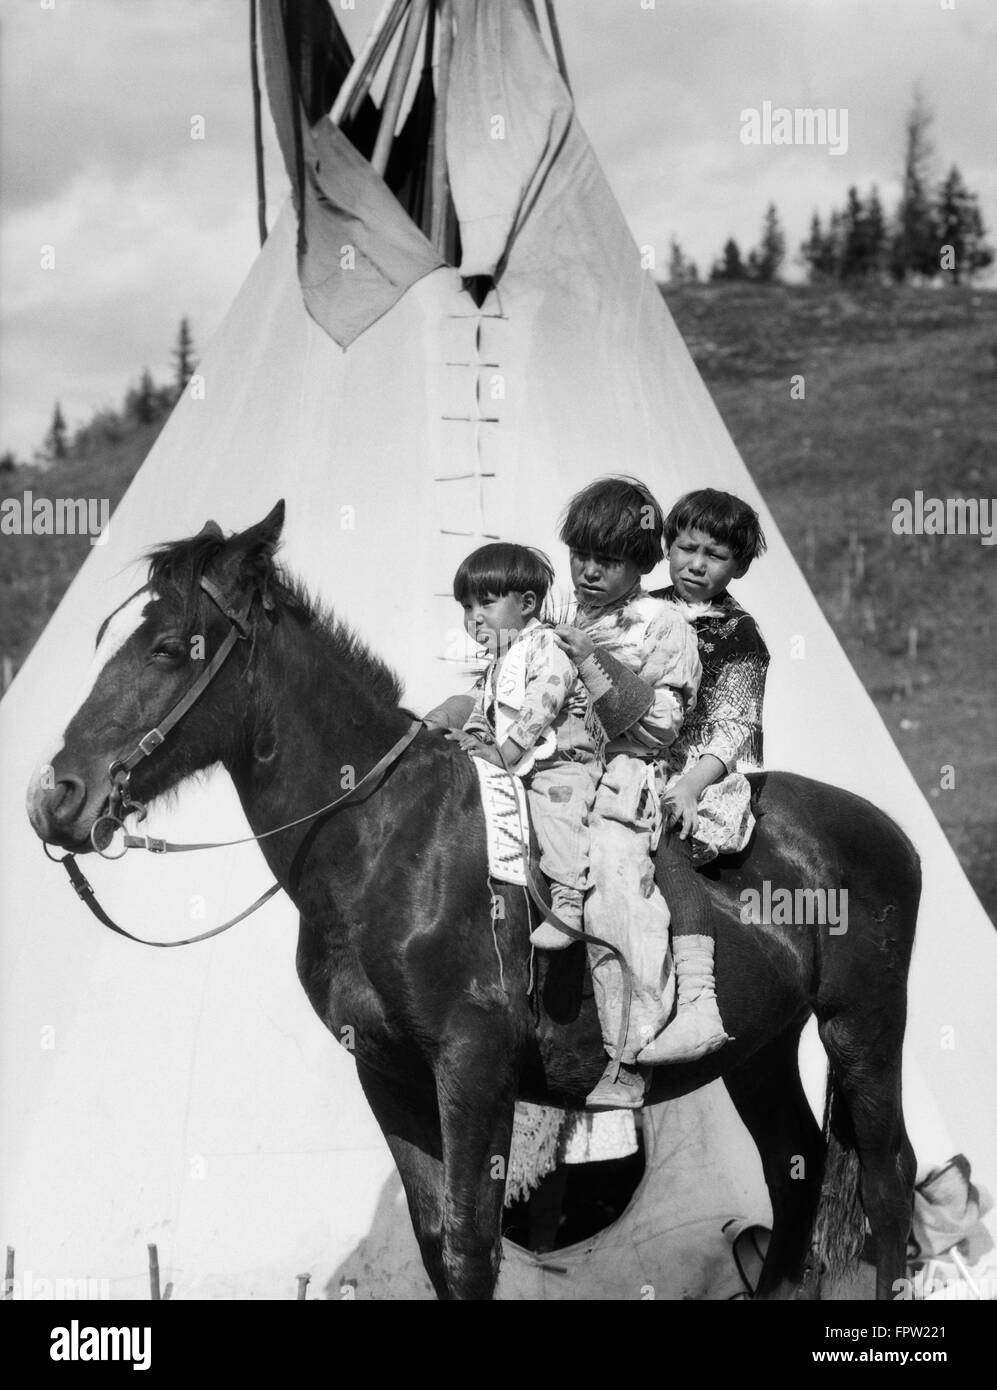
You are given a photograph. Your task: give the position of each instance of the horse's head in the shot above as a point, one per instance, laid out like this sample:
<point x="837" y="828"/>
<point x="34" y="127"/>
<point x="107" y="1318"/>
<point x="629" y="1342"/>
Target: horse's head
<point x="203" y="595"/>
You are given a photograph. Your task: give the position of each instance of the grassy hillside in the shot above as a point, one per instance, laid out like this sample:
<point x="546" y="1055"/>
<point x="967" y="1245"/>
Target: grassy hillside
<point x="901" y="394"/>
<point x="34" y="577"/>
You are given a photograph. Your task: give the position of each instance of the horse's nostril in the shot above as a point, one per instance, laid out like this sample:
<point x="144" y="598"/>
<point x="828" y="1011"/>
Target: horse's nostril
<point x="67" y="798"/>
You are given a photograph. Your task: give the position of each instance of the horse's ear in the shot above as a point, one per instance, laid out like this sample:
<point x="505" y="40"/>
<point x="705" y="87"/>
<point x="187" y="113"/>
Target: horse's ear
<point x="211" y="528"/>
<point x="259" y="543"/>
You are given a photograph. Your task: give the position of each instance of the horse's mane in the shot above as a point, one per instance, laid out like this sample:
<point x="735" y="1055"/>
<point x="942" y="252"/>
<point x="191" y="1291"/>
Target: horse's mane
<point x="176" y="570"/>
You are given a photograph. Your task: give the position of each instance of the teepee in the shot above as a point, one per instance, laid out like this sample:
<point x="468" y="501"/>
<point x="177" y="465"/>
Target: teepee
<point x="409" y="405"/>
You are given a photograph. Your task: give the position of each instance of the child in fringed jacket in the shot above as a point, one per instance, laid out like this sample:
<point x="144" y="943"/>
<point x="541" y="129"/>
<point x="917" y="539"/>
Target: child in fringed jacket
<point x="639" y="659"/>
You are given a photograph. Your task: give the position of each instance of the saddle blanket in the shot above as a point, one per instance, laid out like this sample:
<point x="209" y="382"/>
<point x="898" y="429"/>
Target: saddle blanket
<point x="507" y="821"/>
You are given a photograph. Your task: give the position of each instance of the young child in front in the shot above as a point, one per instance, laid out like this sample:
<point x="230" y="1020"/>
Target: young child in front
<point x="533" y="716"/>
<point x="639" y="659"/>
<point x="712" y="538"/>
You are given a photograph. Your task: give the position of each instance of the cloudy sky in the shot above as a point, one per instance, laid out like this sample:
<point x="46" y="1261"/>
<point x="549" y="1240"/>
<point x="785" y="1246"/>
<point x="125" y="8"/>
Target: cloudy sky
<point x="148" y="225"/>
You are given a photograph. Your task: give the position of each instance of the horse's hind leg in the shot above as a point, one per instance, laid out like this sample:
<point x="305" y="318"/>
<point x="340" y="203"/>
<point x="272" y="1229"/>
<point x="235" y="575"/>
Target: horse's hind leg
<point x="864" y="1053"/>
<point x="410" y="1123"/>
<point x="769" y="1098"/>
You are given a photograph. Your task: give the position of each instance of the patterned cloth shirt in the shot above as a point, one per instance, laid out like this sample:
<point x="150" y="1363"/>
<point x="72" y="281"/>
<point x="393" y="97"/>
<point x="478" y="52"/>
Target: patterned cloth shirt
<point x="553" y="698"/>
<point x="727" y="718"/>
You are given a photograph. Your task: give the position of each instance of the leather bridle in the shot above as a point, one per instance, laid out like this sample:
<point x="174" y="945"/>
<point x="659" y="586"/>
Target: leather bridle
<point x="122" y="803"/>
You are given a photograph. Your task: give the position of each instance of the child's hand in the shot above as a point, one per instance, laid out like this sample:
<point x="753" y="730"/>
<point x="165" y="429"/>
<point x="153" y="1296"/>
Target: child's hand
<point x="577" y="644"/>
<point x="466" y="741"/>
<point x="679" y="805"/>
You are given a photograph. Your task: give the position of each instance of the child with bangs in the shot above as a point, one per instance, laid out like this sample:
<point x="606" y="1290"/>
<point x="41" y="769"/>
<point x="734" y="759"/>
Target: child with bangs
<point x="638" y="657"/>
<point x="532" y="716"/>
<point x="712" y="537"/>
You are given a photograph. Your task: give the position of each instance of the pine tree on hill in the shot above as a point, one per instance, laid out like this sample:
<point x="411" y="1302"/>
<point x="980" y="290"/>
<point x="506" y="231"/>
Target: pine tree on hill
<point x="876" y="236"/>
<point x="184" y="360"/>
<point x="730" y="266"/>
<point x="142" y="403"/>
<point x="681" y="270"/>
<point x="765" y="262"/>
<point x="915" y="246"/>
<point x="810" y="250"/>
<point x="960" y="226"/>
<point x="833" y="240"/>
<point x="55" y="440"/>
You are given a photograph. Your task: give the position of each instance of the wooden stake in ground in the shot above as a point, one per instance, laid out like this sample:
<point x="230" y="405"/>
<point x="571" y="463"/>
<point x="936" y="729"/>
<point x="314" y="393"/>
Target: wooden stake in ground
<point x="154" y="1274"/>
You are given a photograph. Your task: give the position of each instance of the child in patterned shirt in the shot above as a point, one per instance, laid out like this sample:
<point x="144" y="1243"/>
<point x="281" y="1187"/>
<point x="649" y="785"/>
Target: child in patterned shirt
<point x="533" y="716"/>
<point x="712" y="538"/>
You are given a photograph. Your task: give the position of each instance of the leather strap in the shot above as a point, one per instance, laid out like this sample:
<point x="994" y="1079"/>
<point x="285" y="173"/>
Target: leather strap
<point x="368" y="784"/>
<point x="238" y="632"/>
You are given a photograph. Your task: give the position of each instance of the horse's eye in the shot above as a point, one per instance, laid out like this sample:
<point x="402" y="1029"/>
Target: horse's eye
<point x="170" y="648"/>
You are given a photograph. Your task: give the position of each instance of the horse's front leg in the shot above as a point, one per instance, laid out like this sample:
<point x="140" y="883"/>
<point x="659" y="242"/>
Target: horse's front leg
<point x="475" y="1080"/>
<point x="411" y="1125"/>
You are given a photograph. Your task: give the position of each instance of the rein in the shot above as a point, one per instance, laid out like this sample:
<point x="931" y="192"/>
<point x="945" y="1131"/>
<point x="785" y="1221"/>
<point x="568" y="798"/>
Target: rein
<point x="122" y="805"/>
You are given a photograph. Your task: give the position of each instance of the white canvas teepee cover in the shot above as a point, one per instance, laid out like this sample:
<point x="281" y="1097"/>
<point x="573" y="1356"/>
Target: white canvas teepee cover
<point x="191" y="1098"/>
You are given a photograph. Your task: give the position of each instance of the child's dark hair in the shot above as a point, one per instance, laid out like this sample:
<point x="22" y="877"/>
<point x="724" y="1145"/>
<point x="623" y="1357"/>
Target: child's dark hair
<point x="617" y="517"/>
<point x="721" y="515"/>
<point x="503" y="568"/>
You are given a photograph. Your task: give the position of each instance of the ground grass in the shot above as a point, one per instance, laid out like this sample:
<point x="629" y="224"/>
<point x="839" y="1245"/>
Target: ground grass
<point x="901" y="393"/>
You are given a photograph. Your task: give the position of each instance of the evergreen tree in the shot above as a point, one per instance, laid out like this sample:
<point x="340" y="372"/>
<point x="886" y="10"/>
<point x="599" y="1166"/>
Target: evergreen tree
<point x="676" y="263"/>
<point x="183" y="358"/>
<point x="681" y="270"/>
<point x="812" y="248"/>
<point x="766" y="261"/>
<point x="854" y="263"/>
<point x="730" y="266"/>
<point x="960" y="225"/>
<point x="55" y="440"/>
<point x="875" y="234"/>
<point x="914" y="248"/>
<point x="832" y="244"/>
<point x="142" y="403"/>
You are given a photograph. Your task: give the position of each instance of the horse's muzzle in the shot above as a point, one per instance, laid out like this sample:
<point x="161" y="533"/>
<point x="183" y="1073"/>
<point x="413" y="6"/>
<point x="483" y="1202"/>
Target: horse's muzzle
<point x="55" y="810"/>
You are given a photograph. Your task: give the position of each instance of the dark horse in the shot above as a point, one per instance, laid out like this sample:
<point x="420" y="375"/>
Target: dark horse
<point x="396" y="940"/>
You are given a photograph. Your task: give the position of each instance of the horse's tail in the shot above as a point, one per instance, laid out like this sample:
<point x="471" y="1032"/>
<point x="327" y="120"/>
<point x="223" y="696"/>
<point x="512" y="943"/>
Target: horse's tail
<point x="839" y="1224"/>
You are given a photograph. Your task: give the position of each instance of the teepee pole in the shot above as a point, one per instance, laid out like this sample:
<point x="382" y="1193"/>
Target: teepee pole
<point x="261" y="190"/>
<point x="440" y="183"/>
<point x="555" y="34"/>
<point x="397" y="84"/>
<point x="357" y="82"/>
